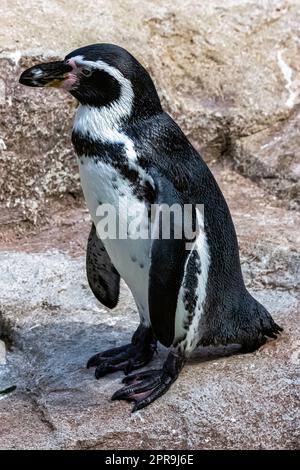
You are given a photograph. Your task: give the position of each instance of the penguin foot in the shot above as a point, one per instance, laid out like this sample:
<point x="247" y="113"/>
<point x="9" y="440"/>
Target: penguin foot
<point x="145" y="387"/>
<point x="128" y="357"/>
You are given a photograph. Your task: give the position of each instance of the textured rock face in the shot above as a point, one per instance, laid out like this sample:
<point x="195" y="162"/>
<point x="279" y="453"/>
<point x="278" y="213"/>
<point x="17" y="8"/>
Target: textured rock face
<point x="227" y="72"/>
<point x="271" y="158"/>
<point x="36" y="159"/>
<point x="2" y="353"/>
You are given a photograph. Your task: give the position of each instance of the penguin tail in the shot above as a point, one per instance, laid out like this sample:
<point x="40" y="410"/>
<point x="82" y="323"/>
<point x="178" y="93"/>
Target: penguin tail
<point x="256" y="326"/>
<point x="245" y="322"/>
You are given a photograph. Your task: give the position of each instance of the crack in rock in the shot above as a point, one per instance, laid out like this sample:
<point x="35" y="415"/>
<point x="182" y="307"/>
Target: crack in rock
<point x="287" y="73"/>
<point x="41" y="411"/>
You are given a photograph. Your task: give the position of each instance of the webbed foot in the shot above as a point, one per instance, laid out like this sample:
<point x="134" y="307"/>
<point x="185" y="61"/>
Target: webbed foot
<point x="128" y="357"/>
<point x="145" y="387"/>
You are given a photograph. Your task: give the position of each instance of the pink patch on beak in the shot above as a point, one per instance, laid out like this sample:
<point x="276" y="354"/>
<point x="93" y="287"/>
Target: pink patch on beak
<point x="69" y="82"/>
<point x="72" y="63"/>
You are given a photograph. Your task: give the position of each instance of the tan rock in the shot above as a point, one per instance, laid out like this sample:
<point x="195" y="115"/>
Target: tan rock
<point x="36" y="158"/>
<point x="225" y="70"/>
<point x="272" y="159"/>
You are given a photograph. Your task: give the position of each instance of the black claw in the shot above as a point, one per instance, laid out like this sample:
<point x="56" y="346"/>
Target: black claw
<point x="93" y="361"/>
<point x="123" y="394"/>
<point x="157" y="392"/>
<point x="132" y="392"/>
<point x="116" y="395"/>
<point x="141" y="404"/>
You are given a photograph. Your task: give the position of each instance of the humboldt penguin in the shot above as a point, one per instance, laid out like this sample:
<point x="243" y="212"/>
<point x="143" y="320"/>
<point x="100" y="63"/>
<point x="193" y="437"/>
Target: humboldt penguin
<point x="188" y="289"/>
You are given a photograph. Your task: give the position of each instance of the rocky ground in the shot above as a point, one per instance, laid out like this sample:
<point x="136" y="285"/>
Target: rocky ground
<point x="229" y="75"/>
<point x="51" y="324"/>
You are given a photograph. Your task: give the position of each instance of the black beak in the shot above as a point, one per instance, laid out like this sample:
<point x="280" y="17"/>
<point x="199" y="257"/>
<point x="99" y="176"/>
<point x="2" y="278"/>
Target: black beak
<point x="51" y="74"/>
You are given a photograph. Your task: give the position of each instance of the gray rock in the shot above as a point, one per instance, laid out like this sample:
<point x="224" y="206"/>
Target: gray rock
<point x="2" y="353"/>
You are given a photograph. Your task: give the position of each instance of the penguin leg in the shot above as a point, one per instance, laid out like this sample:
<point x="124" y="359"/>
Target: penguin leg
<point x="145" y="387"/>
<point x="128" y="357"/>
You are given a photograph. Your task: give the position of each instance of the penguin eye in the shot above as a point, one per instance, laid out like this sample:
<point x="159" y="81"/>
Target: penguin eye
<point x="87" y="72"/>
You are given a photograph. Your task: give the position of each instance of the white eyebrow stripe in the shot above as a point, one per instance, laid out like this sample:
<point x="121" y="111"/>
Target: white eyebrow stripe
<point x="126" y="87"/>
<point x="104" y="123"/>
<point x="125" y="100"/>
<point x="101" y="65"/>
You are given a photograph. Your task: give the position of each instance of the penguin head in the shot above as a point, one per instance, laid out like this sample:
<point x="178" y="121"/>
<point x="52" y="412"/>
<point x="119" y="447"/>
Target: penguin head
<point x="99" y="75"/>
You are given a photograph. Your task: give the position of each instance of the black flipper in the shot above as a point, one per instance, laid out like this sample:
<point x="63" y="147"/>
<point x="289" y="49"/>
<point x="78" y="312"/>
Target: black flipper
<point x="104" y="280"/>
<point x="168" y="257"/>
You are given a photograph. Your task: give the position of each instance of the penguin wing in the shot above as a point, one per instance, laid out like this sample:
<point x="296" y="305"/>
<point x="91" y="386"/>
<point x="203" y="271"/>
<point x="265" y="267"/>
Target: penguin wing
<point x="168" y="257"/>
<point x="104" y="280"/>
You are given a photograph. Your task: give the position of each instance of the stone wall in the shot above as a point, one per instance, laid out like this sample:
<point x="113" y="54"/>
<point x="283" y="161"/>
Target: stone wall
<point x="227" y="71"/>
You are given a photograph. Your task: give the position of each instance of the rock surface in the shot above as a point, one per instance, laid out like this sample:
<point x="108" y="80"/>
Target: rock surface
<point x="52" y="324"/>
<point x="227" y="71"/>
<point x="271" y="158"/>
<point x="2" y="353"/>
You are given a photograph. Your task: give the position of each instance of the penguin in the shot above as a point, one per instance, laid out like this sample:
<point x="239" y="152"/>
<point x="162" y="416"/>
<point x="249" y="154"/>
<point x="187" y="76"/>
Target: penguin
<point x="129" y="148"/>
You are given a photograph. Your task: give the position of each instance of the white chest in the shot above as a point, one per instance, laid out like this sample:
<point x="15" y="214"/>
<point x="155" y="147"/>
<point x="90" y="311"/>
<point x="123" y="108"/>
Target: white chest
<point x="105" y="190"/>
<point x="103" y="185"/>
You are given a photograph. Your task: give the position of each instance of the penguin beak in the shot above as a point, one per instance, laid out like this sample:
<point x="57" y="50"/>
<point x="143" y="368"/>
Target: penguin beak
<point x="51" y="74"/>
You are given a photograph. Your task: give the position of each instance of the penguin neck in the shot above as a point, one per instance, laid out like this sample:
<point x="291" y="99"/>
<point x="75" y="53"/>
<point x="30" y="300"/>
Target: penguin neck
<point x="100" y="123"/>
<point x="101" y="126"/>
<point x="106" y="123"/>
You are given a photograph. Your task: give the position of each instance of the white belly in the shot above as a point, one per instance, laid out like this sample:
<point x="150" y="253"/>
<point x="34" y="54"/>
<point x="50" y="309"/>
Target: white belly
<point x="102" y="184"/>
